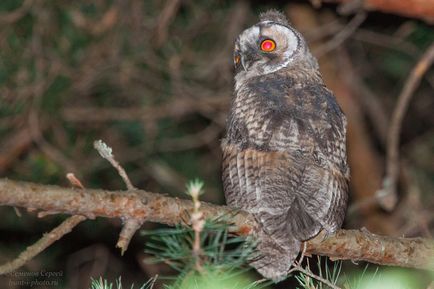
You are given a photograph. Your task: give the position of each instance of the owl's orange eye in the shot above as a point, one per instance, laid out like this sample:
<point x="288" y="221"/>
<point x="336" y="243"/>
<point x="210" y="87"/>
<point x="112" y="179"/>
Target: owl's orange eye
<point x="237" y="59"/>
<point x="268" y="45"/>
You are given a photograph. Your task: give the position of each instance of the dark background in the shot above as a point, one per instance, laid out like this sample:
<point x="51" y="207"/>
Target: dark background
<point x="154" y="79"/>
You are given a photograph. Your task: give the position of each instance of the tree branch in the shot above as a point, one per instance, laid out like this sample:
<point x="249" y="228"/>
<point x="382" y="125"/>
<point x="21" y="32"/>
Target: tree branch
<point x="142" y="205"/>
<point x="410" y="8"/>
<point x="64" y="228"/>
<point x="388" y="192"/>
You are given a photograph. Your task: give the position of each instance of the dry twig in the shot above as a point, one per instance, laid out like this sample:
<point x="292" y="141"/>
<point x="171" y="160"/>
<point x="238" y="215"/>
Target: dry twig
<point x="177" y="108"/>
<point x="106" y="152"/>
<point x="64" y="228"/>
<point x="164" y="20"/>
<point x="411" y="8"/>
<point x="14" y="16"/>
<point x="129" y="228"/>
<point x="12" y="146"/>
<point x="314" y="276"/>
<point x="297" y="267"/>
<point x="74" y="181"/>
<point x="344" y="34"/>
<point x="131" y="225"/>
<point x="388" y="192"/>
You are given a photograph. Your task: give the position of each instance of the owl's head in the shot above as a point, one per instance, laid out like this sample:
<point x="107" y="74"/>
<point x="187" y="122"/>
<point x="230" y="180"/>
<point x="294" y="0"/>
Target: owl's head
<point x="269" y="46"/>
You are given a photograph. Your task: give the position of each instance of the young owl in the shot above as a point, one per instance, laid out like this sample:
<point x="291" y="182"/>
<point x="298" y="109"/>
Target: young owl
<point x="284" y="155"/>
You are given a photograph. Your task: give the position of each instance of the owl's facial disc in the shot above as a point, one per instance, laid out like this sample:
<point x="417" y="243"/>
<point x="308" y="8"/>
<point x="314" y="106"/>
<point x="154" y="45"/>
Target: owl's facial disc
<point x="265" y="48"/>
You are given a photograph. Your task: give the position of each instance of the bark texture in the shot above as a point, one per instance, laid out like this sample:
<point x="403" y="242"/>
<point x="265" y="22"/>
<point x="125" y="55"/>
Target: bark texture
<point x="142" y="205"/>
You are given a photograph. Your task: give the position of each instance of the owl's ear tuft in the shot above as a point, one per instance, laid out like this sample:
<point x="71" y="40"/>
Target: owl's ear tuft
<point x="275" y="16"/>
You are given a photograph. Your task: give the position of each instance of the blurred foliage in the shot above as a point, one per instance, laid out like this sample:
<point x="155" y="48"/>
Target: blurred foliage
<point x="396" y="279"/>
<point x="153" y="79"/>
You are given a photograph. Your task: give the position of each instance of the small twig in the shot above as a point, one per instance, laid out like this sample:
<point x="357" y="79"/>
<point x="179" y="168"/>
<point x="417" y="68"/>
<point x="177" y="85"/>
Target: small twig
<point x="106" y="152"/>
<point x="177" y="108"/>
<point x="339" y="38"/>
<point x="14" y="144"/>
<point x="363" y="203"/>
<point x="64" y="228"/>
<point x="17" y="14"/>
<point x="303" y="252"/>
<point x="194" y="189"/>
<point x="36" y="133"/>
<point x="198" y="139"/>
<point x="131" y="225"/>
<point x="17" y="212"/>
<point x="350" y="7"/>
<point x="151" y="282"/>
<point x="299" y="261"/>
<point x="392" y="163"/>
<point x="387" y="41"/>
<point x="74" y="181"/>
<point x="128" y="230"/>
<point x="316" y="3"/>
<point x="409" y="8"/>
<point x="368" y="100"/>
<point x="312" y="275"/>
<point x="296" y="266"/>
<point x="164" y="20"/>
<point x="260" y="281"/>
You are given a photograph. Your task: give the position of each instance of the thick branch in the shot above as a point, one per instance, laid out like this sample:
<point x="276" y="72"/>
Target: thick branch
<point x="142" y="205"/>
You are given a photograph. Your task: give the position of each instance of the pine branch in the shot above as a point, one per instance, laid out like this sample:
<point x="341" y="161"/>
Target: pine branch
<point x="146" y="206"/>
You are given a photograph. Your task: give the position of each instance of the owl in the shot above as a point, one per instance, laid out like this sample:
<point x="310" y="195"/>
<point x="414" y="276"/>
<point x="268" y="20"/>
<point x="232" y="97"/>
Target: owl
<point x="284" y="153"/>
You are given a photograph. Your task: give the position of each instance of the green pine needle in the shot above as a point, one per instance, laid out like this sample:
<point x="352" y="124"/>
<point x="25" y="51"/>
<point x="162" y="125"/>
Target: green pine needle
<point x="173" y="246"/>
<point x="104" y="284"/>
<point x="331" y="274"/>
<point x="194" y="188"/>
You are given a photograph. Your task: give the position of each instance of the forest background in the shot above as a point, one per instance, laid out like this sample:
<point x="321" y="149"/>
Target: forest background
<point x="154" y="80"/>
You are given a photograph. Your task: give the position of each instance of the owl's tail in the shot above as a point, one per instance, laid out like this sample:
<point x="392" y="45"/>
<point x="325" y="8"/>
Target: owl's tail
<point x="274" y="260"/>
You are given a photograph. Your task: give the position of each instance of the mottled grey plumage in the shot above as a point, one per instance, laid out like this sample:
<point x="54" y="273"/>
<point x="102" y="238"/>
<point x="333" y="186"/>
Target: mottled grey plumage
<point x="284" y="155"/>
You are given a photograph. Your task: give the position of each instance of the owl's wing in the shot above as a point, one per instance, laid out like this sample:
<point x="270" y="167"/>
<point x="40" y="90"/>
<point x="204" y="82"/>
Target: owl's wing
<point x="321" y="131"/>
<point x="295" y="183"/>
<point x="255" y="181"/>
<point x="265" y="183"/>
<point x="322" y="195"/>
